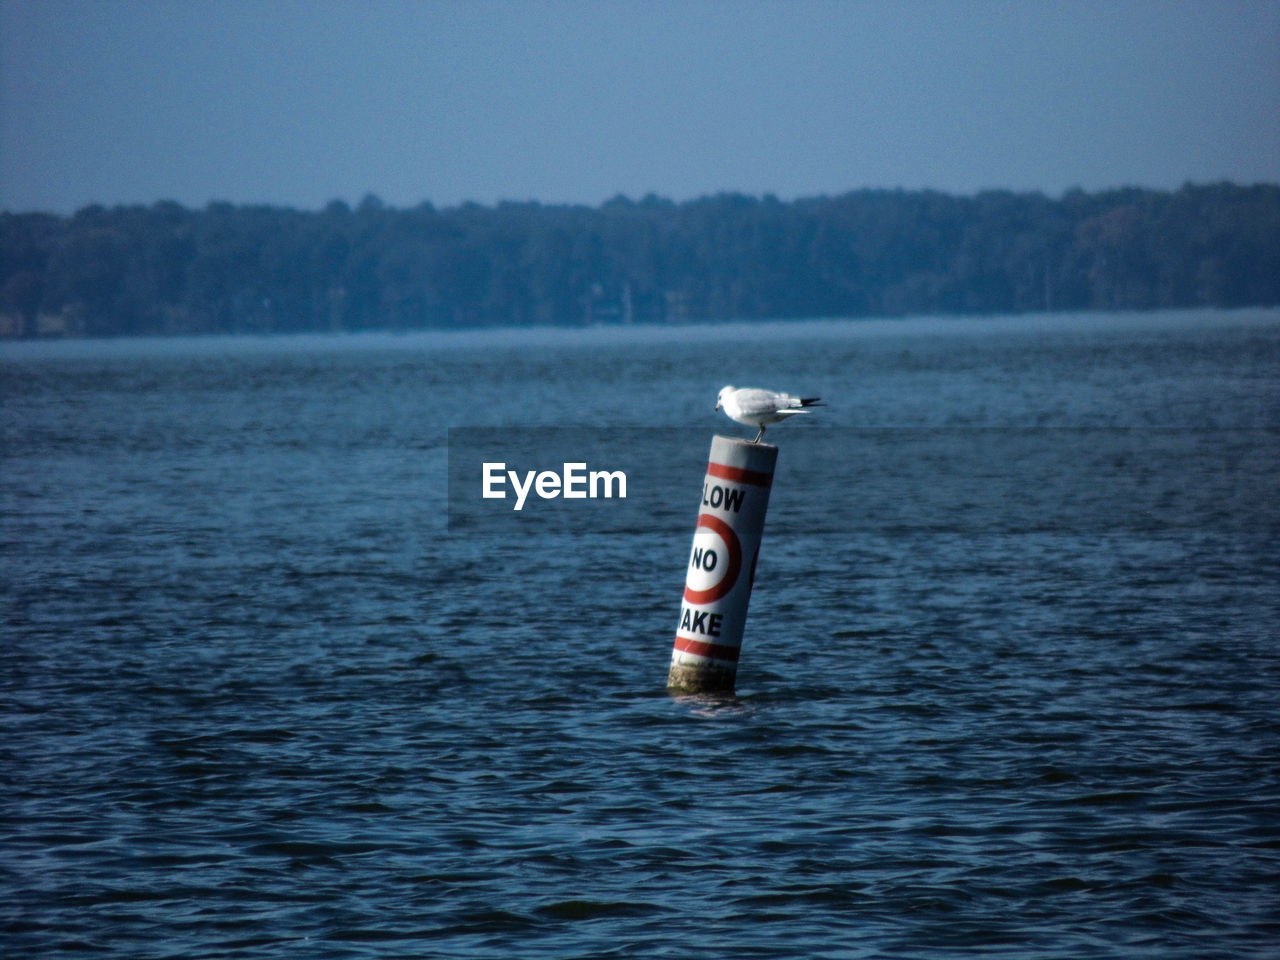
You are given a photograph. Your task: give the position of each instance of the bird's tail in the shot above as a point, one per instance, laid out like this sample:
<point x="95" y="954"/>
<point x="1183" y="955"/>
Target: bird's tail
<point x="811" y="402"/>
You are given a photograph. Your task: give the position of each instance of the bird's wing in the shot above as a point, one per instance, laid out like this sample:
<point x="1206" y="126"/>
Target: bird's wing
<point x="754" y="403"/>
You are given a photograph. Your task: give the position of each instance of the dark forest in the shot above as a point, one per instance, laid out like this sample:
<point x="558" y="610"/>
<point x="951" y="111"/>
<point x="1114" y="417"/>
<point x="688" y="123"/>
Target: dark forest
<point x="166" y="269"/>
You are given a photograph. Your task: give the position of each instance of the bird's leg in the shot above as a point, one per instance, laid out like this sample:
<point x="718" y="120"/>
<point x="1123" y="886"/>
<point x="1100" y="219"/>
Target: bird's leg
<point x="759" y="435"/>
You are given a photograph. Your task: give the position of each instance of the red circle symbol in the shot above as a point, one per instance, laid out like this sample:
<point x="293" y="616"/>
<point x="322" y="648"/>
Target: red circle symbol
<point x="725" y="533"/>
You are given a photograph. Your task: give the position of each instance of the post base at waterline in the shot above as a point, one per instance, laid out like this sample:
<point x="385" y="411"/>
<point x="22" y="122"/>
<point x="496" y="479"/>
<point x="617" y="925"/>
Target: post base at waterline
<point x="710" y="678"/>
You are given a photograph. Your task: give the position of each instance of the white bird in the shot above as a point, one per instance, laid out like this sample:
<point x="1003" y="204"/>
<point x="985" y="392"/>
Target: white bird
<point x="756" y="407"/>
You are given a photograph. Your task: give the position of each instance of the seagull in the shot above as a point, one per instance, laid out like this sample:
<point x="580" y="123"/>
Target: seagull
<point x="756" y="407"/>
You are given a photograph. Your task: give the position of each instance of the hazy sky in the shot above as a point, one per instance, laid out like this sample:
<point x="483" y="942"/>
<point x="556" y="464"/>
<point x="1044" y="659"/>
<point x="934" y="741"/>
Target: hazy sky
<point x="298" y="102"/>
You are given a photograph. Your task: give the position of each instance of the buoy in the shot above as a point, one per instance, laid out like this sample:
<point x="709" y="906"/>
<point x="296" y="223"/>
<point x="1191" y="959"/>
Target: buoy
<point x="722" y="565"/>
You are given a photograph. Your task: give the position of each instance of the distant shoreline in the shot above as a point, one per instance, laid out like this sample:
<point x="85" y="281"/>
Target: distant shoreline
<point x="165" y="270"/>
<point x="691" y="333"/>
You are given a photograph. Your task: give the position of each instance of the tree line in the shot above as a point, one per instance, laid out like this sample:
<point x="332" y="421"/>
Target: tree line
<point x="167" y="269"/>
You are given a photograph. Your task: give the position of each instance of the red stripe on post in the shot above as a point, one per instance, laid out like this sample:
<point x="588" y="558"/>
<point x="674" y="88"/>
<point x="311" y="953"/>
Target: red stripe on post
<point x="738" y="475"/>
<point x="701" y="648"/>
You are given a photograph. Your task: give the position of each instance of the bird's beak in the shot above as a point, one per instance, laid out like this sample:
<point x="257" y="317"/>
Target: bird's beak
<point x="717" y="406"/>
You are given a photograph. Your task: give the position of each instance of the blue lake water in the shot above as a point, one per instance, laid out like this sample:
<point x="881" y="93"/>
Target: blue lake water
<point x="277" y="682"/>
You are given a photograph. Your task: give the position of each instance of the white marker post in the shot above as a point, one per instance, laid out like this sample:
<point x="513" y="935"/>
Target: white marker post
<point x="722" y="565"/>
